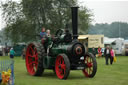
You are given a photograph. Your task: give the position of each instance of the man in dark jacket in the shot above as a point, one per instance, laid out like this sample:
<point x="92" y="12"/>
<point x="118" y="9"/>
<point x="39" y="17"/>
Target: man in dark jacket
<point x="107" y="54"/>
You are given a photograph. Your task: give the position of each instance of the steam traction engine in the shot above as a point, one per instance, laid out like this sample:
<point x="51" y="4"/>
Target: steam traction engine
<point x="62" y="54"/>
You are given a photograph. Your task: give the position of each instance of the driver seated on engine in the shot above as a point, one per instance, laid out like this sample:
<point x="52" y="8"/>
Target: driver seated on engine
<point x="68" y="36"/>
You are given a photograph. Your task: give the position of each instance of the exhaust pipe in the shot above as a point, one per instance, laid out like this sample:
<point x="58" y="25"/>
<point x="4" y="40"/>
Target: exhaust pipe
<point x="75" y="22"/>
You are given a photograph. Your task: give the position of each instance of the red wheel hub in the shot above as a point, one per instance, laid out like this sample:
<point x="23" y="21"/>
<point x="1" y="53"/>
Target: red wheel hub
<point x="60" y="67"/>
<point x="31" y="59"/>
<point x="89" y="69"/>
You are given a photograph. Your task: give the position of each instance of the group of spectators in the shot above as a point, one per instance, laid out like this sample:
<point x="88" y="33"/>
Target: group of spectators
<point x="8" y="51"/>
<point x="108" y="53"/>
<point x="99" y="50"/>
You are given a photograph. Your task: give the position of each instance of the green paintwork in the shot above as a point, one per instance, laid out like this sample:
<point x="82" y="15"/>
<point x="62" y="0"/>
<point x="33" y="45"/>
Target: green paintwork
<point x="49" y="61"/>
<point x="62" y="48"/>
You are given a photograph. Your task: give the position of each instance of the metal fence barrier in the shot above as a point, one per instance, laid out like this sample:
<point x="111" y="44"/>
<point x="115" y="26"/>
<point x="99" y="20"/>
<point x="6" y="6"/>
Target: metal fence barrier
<point x="5" y="65"/>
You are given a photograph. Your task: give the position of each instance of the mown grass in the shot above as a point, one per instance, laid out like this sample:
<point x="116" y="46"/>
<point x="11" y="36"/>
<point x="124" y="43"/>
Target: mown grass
<point x="116" y="74"/>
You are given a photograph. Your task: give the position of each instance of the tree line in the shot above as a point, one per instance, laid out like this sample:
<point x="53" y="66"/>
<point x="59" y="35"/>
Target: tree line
<point x="113" y="30"/>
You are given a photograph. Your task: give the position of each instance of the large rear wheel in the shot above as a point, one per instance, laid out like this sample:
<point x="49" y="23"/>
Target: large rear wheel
<point x="62" y="66"/>
<point x="34" y="59"/>
<point x="90" y="61"/>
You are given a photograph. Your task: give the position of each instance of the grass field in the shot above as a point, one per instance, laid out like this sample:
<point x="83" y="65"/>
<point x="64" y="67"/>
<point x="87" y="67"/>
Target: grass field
<point x="116" y="74"/>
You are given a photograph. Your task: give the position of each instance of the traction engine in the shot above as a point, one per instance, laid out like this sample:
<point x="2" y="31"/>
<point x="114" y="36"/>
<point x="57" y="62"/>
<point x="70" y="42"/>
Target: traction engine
<point x="61" y="54"/>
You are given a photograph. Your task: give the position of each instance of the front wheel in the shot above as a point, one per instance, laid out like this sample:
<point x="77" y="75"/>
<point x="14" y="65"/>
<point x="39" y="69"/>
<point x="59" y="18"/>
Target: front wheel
<point x="62" y="66"/>
<point x="90" y="61"/>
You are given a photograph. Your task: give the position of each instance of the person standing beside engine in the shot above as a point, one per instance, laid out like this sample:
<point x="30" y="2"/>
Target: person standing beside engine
<point x="107" y="54"/>
<point x="12" y="52"/>
<point x="99" y="52"/>
<point x="112" y="55"/>
<point x="23" y="53"/>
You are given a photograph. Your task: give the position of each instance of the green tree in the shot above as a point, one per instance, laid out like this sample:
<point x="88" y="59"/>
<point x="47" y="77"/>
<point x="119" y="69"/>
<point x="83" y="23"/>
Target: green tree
<point x="25" y="19"/>
<point x="84" y="20"/>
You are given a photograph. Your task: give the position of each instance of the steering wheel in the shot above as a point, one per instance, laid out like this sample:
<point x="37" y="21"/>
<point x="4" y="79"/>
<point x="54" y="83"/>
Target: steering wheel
<point x="59" y="32"/>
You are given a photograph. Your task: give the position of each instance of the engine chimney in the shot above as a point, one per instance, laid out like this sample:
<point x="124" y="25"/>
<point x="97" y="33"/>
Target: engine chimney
<point x="75" y="22"/>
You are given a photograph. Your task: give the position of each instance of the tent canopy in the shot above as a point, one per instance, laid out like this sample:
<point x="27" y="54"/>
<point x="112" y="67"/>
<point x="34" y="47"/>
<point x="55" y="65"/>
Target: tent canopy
<point x="109" y="40"/>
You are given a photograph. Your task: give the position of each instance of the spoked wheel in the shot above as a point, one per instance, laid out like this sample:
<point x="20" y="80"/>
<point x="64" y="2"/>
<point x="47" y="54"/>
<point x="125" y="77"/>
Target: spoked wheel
<point x="34" y="59"/>
<point x="91" y="63"/>
<point x="62" y="66"/>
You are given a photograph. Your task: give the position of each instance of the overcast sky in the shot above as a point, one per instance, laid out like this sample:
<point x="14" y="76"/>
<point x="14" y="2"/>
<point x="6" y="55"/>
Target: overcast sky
<point x="104" y="11"/>
<point x="107" y="11"/>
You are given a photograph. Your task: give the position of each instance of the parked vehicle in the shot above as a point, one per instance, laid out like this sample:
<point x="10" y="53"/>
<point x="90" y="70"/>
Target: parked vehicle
<point x="126" y="49"/>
